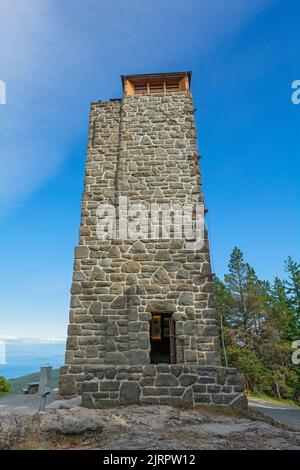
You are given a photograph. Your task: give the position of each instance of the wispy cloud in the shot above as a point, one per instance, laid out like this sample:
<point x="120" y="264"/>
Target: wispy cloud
<point x="56" y="56"/>
<point x="29" y="155"/>
<point x="16" y="339"/>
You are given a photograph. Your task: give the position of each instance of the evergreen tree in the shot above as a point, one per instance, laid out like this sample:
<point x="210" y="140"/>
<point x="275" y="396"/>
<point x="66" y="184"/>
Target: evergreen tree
<point x="292" y="285"/>
<point x="259" y="322"/>
<point x="246" y="298"/>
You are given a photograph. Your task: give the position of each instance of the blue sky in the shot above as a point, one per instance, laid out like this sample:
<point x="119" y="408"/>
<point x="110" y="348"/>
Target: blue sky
<point x="57" y="56"/>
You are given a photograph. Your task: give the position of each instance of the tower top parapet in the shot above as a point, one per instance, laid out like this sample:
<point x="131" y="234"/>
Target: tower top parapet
<point x="154" y="83"/>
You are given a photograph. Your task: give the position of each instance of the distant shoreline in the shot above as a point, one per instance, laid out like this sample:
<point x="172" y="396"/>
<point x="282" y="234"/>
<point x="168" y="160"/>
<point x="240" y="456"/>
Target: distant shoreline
<point x="25" y="358"/>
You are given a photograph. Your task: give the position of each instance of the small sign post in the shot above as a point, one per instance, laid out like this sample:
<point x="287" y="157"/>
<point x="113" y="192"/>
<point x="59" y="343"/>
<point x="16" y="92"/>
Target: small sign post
<point x="45" y="385"/>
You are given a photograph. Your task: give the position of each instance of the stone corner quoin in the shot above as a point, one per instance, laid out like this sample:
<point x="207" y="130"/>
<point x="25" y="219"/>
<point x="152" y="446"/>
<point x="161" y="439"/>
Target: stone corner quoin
<point x="143" y="147"/>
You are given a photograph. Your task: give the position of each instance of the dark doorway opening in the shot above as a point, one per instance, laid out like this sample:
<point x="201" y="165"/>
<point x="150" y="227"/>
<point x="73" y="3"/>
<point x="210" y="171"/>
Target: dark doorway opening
<point x="162" y="338"/>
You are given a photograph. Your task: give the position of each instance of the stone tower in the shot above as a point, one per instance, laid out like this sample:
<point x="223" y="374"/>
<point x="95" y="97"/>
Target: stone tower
<point x="142" y="323"/>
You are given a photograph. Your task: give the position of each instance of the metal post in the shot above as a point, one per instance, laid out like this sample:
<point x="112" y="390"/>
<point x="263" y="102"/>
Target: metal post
<point x="44" y="385"/>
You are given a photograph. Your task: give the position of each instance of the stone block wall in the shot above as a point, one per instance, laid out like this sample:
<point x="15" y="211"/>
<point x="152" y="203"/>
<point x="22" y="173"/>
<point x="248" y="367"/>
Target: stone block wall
<point x="163" y="384"/>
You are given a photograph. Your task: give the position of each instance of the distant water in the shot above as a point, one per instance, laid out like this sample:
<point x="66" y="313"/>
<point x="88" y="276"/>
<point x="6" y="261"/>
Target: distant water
<point x="25" y="358"/>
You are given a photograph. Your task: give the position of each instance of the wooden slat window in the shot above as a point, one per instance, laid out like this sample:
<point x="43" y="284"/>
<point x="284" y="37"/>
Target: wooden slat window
<point x="140" y="88"/>
<point x="172" y="87"/>
<point x="159" y="87"/>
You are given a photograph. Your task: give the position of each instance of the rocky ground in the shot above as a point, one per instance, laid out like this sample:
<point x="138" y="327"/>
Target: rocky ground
<point x="143" y="427"/>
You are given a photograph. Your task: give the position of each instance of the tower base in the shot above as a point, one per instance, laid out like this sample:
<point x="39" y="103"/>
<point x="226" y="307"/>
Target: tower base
<point x="161" y="384"/>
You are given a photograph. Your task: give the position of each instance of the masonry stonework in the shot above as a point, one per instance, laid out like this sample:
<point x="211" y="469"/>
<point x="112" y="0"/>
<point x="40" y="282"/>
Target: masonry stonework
<point x="142" y="148"/>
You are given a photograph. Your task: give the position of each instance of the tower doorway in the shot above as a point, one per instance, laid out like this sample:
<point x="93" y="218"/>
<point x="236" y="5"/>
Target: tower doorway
<point x="162" y="339"/>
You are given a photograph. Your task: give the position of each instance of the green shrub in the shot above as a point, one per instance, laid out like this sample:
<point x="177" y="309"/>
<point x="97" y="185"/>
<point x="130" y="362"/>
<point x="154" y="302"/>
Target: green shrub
<point x="4" y="386"/>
